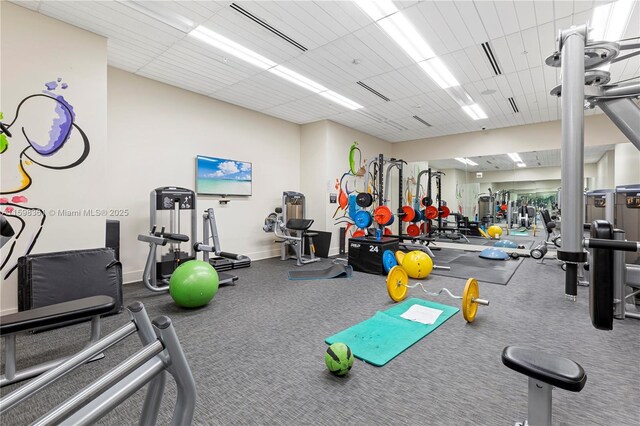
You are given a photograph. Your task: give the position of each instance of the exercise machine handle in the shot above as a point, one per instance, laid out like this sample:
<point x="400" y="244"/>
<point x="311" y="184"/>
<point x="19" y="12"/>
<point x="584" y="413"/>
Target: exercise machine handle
<point x="633" y="246"/>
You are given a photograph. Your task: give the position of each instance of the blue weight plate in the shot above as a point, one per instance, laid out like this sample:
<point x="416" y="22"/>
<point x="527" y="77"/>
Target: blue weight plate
<point x="362" y="219"/>
<point x="389" y="260"/>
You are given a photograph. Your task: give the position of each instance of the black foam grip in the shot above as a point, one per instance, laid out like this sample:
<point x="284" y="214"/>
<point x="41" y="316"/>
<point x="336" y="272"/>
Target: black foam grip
<point x="601" y="269"/>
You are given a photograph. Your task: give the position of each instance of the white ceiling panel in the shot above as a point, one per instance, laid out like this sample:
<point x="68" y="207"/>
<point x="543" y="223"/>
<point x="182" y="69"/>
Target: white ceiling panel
<point x="345" y="46"/>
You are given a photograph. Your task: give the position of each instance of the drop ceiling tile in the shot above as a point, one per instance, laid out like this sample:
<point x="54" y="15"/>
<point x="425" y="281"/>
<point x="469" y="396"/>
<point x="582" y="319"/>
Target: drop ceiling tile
<point x="562" y="9"/>
<point x="516" y="47"/>
<point x="455" y="22"/>
<point x="544" y="11"/>
<point x="490" y="19"/>
<point x="471" y="18"/>
<point x="526" y="14"/>
<point x="500" y="49"/>
<point x="440" y="37"/>
<point x="508" y="17"/>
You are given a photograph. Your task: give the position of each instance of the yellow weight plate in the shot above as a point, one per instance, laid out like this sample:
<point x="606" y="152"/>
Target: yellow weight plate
<point x="399" y="257"/>
<point x="397" y="281"/>
<point x="471" y="292"/>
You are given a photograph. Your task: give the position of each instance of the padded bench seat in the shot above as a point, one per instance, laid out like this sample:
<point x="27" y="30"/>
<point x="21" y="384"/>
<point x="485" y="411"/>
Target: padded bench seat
<point x="553" y="370"/>
<point x="299" y="224"/>
<point x="55" y="314"/>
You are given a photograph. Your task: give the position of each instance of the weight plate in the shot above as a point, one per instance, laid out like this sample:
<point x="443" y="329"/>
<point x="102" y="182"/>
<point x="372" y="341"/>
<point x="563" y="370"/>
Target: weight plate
<point x="431" y="212"/>
<point x="382" y="215"/>
<point x="393" y="218"/>
<point x="427" y="201"/>
<point x="388" y="260"/>
<point x="362" y="219"/>
<point x="413" y="230"/>
<point x="358" y="233"/>
<point x="397" y="281"/>
<point x="417" y="216"/>
<point x="364" y="199"/>
<point x="469" y="307"/>
<point x="444" y="211"/>
<point x="399" y="256"/>
<point x="387" y="231"/>
<point x="409" y="213"/>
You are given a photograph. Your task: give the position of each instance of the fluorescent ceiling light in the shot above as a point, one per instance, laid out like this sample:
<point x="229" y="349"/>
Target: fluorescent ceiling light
<point x="515" y="157"/>
<point x="474" y="111"/>
<point x="377" y="9"/>
<point x="466" y="161"/>
<point x="231" y="47"/>
<point x="405" y="35"/>
<point x="339" y="99"/>
<point x="298" y="79"/>
<point x="521" y="164"/>
<point x="439" y="73"/>
<point x="609" y="21"/>
<point x="459" y="95"/>
<point x="170" y="18"/>
<point x="216" y="40"/>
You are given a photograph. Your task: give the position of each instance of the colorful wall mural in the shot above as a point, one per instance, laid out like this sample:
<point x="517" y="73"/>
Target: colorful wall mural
<point x="42" y="134"/>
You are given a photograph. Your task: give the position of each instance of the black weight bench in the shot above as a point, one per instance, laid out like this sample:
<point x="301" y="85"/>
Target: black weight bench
<point x="296" y="235"/>
<point x="47" y="316"/>
<point x="545" y="372"/>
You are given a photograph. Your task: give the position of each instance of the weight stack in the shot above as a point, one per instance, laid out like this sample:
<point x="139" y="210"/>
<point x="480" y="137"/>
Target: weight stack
<point x="365" y="254"/>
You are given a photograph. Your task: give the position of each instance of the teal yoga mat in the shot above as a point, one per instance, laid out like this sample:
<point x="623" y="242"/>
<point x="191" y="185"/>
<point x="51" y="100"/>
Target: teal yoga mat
<point x="386" y="335"/>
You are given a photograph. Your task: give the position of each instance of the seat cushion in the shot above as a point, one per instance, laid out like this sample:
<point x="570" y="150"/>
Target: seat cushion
<point x="554" y="370"/>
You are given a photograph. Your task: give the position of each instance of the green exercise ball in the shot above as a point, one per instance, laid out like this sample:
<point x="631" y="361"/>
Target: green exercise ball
<point x="193" y="284"/>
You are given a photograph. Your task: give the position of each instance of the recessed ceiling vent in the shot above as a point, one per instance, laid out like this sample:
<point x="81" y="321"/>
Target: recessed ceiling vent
<point x="375" y="92"/>
<point x="422" y="121"/>
<point x="492" y="59"/>
<point x="513" y="104"/>
<point x="268" y="27"/>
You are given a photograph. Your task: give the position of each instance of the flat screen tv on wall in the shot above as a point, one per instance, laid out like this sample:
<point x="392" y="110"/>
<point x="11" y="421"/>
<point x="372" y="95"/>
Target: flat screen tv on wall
<point x="220" y="176"/>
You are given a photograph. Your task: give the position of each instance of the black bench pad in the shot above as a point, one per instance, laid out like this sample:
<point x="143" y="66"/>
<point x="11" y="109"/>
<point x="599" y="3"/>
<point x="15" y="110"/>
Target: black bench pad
<point x="556" y="371"/>
<point x="55" y="314"/>
<point x="299" y="224"/>
<point x="175" y="237"/>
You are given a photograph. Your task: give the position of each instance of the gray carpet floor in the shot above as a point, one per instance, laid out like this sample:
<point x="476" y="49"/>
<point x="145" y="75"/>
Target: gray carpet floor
<point x="257" y="354"/>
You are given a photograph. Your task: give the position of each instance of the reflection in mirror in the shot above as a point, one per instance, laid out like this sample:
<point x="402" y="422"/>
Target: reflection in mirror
<point x="505" y="188"/>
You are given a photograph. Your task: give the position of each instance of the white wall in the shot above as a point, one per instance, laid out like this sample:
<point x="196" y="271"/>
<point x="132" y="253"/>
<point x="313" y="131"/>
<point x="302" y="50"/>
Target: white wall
<point x="155" y="132"/>
<point x="627" y="161"/>
<point x="605" y="171"/>
<point x="35" y="50"/>
<point x="324" y="158"/>
<point x="526" y="174"/>
<point x="598" y="130"/>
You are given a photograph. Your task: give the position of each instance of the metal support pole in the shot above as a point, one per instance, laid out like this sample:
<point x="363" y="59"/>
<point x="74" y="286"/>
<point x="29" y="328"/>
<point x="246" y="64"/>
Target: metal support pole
<point x="619" y="278"/>
<point x="179" y="369"/>
<point x="539" y="403"/>
<point x="10" y="357"/>
<point x="572" y="44"/>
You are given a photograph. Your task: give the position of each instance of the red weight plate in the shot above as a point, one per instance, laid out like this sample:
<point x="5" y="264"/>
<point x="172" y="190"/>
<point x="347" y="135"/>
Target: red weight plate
<point x="382" y="214"/>
<point x="431" y="212"/>
<point x="409" y="213"/>
<point x="445" y="211"/>
<point x="413" y="230"/>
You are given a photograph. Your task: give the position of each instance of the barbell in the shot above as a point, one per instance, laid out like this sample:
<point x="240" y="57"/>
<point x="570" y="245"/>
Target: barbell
<point x="398" y="286"/>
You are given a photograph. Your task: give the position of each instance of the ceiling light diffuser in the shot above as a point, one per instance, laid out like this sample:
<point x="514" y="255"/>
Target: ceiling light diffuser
<point x="515" y="157"/>
<point x="439" y="73"/>
<point x="466" y="161"/>
<point x="231" y="47"/>
<point x="170" y="18"/>
<point x="521" y="164"/>
<point x="471" y="162"/>
<point x="216" y="40"/>
<point x="474" y="111"/>
<point x="339" y="99"/>
<point x="377" y="9"/>
<point x="298" y="79"/>
<point x="398" y="27"/>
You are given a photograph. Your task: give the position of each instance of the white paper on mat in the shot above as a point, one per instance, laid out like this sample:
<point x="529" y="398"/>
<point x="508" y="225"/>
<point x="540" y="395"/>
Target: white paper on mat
<point x="422" y="314"/>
